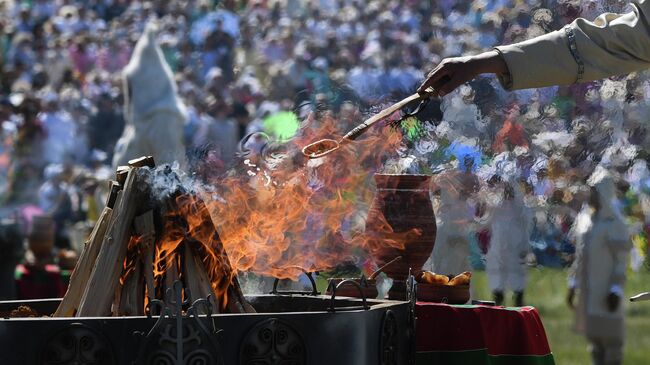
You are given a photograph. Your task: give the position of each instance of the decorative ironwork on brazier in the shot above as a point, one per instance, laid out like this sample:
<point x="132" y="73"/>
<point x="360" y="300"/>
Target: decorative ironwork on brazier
<point x="77" y="344"/>
<point x="178" y="339"/>
<point x="273" y="342"/>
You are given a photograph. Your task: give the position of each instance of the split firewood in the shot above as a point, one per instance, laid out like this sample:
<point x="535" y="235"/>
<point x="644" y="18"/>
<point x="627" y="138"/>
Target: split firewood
<point x="196" y="278"/>
<point x="236" y="302"/>
<point x="145" y="161"/>
<point x="125" y="240"/>
<point x="121" y="174"/>
<point x="105" y="276"/>
<point x="84" y="267"/>
<point x="145" y="228"/>
<point x="171" y="276"/>
<point x="117" y="296"/>
<point x="131" y="302"/>
<point x="114" y="188"/>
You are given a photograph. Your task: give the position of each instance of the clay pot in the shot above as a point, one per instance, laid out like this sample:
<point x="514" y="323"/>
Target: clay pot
<point x="401" y="222"/>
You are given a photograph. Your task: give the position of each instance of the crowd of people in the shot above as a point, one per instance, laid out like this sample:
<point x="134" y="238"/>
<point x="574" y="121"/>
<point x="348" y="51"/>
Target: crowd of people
<point x="240" y="67"/>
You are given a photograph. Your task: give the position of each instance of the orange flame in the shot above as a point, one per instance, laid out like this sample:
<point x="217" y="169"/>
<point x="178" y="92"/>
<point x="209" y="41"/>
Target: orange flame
<point x="188" y="222"/>
<point x="283" y="214"/>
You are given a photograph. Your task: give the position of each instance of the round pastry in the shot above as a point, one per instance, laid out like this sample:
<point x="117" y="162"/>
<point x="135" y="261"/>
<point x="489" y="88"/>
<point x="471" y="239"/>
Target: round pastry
<point x="429" y="277"/>
<point x="461" y="279"/>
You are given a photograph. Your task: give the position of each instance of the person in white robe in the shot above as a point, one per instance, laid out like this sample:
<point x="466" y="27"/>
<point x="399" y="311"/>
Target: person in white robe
<point x="510" y="225"/>
<point x="154" y="113"/>
<point x="598" y="272"/>
<point x="450" y="253"/>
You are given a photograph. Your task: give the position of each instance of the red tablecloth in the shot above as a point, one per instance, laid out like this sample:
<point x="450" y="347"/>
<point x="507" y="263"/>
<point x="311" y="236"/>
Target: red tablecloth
<point x="476" y="335"/>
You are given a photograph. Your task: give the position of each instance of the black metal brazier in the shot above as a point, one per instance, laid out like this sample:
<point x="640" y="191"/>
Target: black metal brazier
<point x="289" y="329"/>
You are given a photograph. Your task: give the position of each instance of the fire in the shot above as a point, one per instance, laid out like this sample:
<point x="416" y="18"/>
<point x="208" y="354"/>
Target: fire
<point x="188" y="222"/>
<point x="284" y="214"/>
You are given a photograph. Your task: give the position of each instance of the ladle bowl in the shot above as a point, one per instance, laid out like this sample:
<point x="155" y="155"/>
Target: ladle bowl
<point x="326" y="146"/>
<point x="320" y="148"/>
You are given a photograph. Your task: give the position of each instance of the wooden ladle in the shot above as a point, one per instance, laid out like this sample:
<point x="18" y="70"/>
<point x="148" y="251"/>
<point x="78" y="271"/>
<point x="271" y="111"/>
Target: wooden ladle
<point x="327" y="146"/>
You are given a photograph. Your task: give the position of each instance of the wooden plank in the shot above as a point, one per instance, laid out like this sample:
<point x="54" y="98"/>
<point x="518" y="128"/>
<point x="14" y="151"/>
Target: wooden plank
<point x="131" y="301"/>
<point x="196" y="277"/>
<point x="145" y="228"/>
<point x="84" y="267"/>
<point x="144" y="161"/>
<point x="236" y="302"/>
<point x="114" y="188"/>
<point x="121" y="174"/>
<point x="171" y="276"/>
<point x="105" y="276"/>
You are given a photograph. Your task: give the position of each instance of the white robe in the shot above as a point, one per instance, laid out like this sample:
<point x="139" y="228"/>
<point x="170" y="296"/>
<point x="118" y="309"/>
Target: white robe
<point x="602" y="247"/>
<point x="510" y="227"/>
<point x="154" y="113"/>
<point x="451" y="251"/>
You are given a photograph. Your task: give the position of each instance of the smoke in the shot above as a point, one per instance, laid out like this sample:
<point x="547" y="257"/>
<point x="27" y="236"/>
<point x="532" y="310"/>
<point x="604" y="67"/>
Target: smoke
<point x="280" y="213"/>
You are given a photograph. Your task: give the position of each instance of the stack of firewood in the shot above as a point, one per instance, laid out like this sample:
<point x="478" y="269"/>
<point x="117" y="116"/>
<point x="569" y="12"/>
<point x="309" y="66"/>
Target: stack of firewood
<point x="142" y="244"/>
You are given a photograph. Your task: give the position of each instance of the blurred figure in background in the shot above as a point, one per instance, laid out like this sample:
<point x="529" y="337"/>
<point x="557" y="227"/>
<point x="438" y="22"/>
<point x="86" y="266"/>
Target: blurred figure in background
<point x="510" y="227"/>
<point x="54" y="199"/>
<point x="27" y="160"/>
<point x="451" y="251"/>
<point x="11" y="253"/>
<point x="154" y="113"/>
<point x="105" y="125"/>
<point x="37" y="276"/>
<point x="598" y="272"/>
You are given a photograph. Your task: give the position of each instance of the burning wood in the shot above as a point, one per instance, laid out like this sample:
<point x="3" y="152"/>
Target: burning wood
<point x="141" y="245"/>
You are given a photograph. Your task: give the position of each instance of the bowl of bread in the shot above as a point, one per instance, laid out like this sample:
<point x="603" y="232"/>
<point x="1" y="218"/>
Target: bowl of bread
<point x="438" y="288"/>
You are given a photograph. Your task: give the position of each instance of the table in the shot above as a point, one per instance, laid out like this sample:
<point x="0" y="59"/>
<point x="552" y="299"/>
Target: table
<point x="480" y="335"/>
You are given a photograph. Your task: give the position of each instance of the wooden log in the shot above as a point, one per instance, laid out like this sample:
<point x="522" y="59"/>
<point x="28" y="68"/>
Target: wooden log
<point x="105" y="276"/>
<point x="131" y="301"/>
<point x="144" y="161"/>
<point x="114" y="188"/>
<point x="121" y="174"/>
<point x="84" y="267"/>
<point x="171" y="276"/>
<point x="145" y="228"/>
<point x="117" y="295"/>
<point x="236" y="302"/>
<point x="196" y="277"/>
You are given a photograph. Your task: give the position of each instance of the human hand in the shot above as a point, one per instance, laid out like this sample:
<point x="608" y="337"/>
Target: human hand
<point x="613" y="301"/>
<point x="453" y="72"/>
<point x="570" y="298"/>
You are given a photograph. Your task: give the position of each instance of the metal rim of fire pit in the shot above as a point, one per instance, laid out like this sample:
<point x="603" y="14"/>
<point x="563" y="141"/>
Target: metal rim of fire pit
<point x="314" y="291"/>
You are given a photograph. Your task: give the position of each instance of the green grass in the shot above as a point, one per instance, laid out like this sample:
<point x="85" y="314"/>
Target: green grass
<point x="547" y="291"/>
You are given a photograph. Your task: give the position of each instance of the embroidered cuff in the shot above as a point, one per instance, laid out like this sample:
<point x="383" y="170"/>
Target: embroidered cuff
<point x="504" y="79"/>
<point x="573" y="47"/>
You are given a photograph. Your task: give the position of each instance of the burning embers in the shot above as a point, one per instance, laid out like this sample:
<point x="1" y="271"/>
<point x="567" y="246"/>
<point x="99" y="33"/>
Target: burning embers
<point x="142" y="244"/>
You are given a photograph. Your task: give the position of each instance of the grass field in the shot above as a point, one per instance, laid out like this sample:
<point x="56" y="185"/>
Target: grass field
<point x="547" y="291"/>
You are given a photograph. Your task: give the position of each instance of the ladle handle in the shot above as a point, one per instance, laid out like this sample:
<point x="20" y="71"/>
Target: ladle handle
<point x="361" y="128"/>
<point x="356" y="132"/>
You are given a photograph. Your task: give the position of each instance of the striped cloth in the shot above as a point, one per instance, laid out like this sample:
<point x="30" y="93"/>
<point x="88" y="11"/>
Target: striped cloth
<point x="480" y="335"/>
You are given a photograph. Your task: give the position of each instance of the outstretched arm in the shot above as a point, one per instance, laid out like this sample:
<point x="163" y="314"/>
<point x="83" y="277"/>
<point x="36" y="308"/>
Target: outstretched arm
<point x="613" y="44"/>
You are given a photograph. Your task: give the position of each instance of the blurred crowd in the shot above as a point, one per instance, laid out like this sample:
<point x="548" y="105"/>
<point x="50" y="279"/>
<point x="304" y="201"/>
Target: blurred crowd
<point x="243" y="67"/>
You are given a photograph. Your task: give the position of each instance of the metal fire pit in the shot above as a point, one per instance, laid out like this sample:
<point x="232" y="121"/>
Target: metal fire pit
<point x="289" y="329"/>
